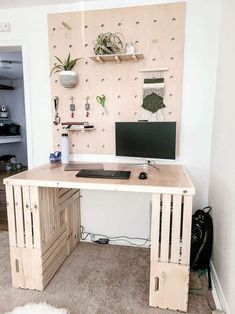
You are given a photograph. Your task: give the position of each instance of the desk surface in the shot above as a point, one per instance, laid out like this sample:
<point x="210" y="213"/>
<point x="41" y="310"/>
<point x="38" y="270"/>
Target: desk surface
<point x="170" y="179"/>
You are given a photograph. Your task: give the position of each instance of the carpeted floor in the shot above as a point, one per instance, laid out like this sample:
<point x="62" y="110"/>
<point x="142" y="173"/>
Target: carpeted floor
<point x="97" y="279"/>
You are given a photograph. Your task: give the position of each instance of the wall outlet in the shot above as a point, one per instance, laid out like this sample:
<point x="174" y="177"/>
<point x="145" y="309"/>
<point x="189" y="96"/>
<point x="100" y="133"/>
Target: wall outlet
<point x="5" y="27"/>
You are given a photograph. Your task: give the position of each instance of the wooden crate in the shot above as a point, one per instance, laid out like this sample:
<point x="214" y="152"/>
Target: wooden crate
<point x="170" y="250"/>
<point x="43" y="230"/>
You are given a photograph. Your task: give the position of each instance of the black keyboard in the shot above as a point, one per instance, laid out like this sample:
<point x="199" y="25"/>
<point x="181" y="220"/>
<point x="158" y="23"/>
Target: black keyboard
<point x="105" y="174"/>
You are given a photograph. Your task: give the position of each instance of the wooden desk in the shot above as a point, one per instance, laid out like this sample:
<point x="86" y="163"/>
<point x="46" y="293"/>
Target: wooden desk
<point x="44" y="221"/>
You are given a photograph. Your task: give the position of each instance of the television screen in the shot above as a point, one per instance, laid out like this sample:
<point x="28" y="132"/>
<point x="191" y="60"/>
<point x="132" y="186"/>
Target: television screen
<point x="146" y="139"/>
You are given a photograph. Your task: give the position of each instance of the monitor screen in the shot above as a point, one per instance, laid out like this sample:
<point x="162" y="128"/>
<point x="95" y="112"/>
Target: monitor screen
<point x="146" y="139"/>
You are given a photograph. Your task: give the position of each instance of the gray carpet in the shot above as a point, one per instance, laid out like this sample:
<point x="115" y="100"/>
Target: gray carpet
<point x="97" y="279"/>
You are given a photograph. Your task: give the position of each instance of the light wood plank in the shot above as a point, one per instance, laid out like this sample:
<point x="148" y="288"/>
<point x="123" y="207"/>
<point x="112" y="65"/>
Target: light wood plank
<point x="11" y="215"/>
<point x="176" y="221"/>
<point x="34" y="198"/>
<point x="165" y="231"/>
<point x="27" y="217"/>
<point x="155" y="225"/>
<point x="19" y="216"/>
<point x="187" y="223"/>
<point x="169" y="286"/>
<point x="171" y="179"/>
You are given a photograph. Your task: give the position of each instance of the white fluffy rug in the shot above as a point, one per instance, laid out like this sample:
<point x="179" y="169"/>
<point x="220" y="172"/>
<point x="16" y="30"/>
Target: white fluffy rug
<point x="40" y="308"/>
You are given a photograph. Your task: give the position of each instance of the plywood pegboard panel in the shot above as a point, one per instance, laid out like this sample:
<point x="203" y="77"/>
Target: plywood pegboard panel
<point x="157" y="31"/>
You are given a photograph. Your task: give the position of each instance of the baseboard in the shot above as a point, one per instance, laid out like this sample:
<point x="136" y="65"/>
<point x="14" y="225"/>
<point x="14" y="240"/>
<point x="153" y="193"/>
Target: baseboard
<point x="217" y="292"/>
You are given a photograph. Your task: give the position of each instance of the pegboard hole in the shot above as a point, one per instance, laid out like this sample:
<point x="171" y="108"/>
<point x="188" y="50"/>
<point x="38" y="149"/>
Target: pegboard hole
<point x="173" y="39"/>
<point x="173" y="19"/>
<point x="86" y="45"/>
<point x="136" y="78"/>
<point x="86" y="26"/>
<point x="102" y="80"/>
<point x="102" y="25"/>
<point x="103" y="146"/>
<point x="86" y="63"/>
<point x="58" y="145"/>
<point x="169" y="112"/>
<point x="73" y="145"/>
<point x="88" y="146"/>
<point x="172" y="58"/>
<point x="154" y="21"/>
<point x="54" y="46"/>
<point x="136" y="96"/>
<point x="119" y="24"/>
<point x="119" y="79"/>
<point x="87" y="80"/>
<point x="170" y="95"/>
<point x="119" y="96"/>
<point x="57" y="130"/>
<point x="154" y="59"/>
<point x="137" y="23"/>
<point x="102" y="130"/>
<point x="70" y="46"/>
<point x="102" y="113"/>
<point x="119" y="113"/>
<point x="56" y="81"/>
<point x="53" y="29"/>
<point x="171" y="77"/>
<point x="135" y="113"/>
<point x="136" y="42"/>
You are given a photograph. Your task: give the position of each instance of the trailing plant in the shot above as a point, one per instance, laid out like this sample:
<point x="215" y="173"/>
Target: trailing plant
<point x="108" y="43"/>
<point x="67" y="65"/>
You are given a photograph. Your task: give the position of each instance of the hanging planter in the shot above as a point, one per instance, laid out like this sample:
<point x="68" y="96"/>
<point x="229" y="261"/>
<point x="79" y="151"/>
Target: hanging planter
<point x="67" y="77"/>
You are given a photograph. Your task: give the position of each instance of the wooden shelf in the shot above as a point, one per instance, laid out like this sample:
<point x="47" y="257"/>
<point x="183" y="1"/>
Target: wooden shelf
<point x="117" y="57"/>
<point x="10" y="139"/>
<point x="155" y="69"/>
<point x="80" y="129"/>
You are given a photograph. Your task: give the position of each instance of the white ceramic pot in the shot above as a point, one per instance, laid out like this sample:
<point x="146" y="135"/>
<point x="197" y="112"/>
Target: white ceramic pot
<point x="68" y="79"/>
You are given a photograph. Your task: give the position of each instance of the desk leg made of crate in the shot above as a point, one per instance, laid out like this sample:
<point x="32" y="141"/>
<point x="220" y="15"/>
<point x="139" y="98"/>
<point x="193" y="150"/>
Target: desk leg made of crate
<point x="170" y="251"/>
<point x="44" y="228"/>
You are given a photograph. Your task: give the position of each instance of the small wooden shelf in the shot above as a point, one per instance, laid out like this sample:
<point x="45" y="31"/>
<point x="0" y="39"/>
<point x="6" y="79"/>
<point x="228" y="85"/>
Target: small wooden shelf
<point x="81" y="130"/>
<point x="163" y="69"/>
<point x="117" y="57"/>
<point x="10" y="139"/>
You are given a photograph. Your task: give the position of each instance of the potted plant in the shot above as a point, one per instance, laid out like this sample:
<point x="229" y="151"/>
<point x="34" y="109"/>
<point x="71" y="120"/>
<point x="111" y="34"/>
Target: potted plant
<point x="67" y="77"/>
<point x="108" y="43"/>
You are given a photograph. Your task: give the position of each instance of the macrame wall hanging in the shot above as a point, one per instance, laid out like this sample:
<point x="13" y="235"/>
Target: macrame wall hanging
<point x="153" y="94"/>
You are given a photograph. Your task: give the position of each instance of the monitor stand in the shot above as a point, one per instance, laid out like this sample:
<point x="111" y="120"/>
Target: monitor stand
<point x="147" y="163"/>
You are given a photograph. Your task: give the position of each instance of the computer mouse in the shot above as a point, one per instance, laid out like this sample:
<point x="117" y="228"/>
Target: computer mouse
<point x="143" y="175"/>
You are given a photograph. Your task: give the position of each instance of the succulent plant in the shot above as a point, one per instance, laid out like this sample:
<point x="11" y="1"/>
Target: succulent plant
<point x="108" y="43"/>
<point x="67" y="65"/>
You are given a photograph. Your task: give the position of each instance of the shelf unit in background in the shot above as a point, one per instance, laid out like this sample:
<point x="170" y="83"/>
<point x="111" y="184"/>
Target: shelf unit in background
<point x="10" y="139"/>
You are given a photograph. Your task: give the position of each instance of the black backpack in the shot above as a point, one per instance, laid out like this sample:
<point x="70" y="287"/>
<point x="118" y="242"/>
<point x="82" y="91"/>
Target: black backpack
<point x="201" y="241"/>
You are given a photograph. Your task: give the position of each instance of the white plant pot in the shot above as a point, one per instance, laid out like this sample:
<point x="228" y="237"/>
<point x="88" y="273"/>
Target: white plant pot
<point x="68" y="79"/>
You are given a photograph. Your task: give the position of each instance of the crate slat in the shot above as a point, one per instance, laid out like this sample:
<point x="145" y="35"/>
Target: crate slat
<point x="165" y="227"/>
<point x="176" y="221"/>
<point x="11" y="215"/>
<point x="187" y="222"/>
<point x="19" y="216"/>
<point x="155" y="225"/>
<point x="27" y="217"/>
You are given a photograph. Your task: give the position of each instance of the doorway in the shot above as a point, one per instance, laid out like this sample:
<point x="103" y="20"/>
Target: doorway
<point x="13" y="135"/>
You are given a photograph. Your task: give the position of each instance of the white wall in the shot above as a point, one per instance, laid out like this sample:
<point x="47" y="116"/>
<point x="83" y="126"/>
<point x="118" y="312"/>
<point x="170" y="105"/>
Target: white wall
<point x="29" y="26"/>
<point x="222" y="174"/>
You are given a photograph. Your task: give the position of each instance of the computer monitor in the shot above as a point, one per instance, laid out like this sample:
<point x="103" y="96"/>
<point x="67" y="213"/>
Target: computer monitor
<point x="146" y="139"/>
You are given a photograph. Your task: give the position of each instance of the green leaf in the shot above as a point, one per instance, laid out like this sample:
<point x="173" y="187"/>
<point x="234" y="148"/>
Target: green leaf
<point x="59" y="60"/>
